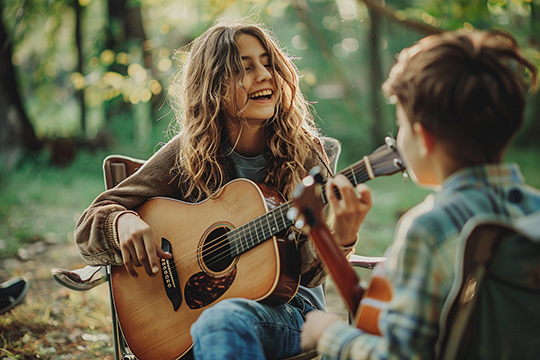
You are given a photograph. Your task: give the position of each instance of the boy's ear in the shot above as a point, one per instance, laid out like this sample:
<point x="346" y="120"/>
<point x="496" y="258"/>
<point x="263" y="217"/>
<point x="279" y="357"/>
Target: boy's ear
<point x="427" y="140"/>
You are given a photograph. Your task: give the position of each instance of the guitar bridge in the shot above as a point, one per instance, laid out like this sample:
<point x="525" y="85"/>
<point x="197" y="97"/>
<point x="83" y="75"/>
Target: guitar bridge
<point x="170" y="276"/>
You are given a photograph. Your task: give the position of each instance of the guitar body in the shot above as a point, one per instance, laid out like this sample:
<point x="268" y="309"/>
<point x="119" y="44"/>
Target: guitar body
<point x="156" y="313"/>
<point x="374" y="300"/>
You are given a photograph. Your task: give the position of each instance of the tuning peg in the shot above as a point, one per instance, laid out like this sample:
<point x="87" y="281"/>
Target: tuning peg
<point x="405" y="176"/>
<point x="390" y="142"/>
<point x="299" y="224"/>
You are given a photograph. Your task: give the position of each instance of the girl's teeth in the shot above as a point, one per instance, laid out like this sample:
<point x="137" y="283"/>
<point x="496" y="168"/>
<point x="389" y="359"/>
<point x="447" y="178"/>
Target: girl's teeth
<point x="261" y="93"/>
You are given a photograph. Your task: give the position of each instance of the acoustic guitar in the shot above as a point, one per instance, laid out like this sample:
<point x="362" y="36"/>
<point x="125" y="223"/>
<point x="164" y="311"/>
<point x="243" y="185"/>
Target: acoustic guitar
<point x="364" y="304"/>
<point x="232" y="244"/>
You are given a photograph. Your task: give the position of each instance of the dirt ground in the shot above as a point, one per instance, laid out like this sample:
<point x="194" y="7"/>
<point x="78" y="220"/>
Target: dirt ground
<point x="58" y="323"/>
<point x="54" y="322"/>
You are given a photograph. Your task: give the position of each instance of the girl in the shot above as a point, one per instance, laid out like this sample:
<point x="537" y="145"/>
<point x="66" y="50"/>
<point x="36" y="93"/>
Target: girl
<point x="240" y="114"/>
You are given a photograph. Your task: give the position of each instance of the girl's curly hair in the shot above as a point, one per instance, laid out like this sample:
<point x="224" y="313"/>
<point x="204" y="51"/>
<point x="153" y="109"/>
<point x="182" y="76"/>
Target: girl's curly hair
<point x="206" y="84"/>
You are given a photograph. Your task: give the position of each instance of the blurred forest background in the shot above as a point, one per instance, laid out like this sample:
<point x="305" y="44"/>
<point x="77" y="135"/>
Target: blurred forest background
<point x="81" y="79"/>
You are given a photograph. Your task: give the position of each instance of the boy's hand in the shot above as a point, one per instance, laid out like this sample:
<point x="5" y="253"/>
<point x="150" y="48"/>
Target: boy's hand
<point x="350" y="210"/>
<point x="315" y="324"/>
<point x="137" y="245"/>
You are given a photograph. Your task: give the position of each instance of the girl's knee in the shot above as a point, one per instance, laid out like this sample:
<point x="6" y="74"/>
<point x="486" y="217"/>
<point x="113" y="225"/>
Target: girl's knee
<point x="226" y="315"/>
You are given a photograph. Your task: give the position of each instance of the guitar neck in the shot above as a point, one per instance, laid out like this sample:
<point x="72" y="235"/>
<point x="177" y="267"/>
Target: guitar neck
<point x="357" y="173"/>
<point x="275" y="221"/>
<point x="259" y="229"/>
<point x="346" y="281"/>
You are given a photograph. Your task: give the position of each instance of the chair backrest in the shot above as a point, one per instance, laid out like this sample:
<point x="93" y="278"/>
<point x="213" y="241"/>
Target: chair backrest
<point x="117" y="167"/>
<point x="493" y="309"/>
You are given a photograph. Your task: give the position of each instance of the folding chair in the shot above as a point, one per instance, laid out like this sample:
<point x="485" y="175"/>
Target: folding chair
<point x="115" y="169"/>
<point x="493" y="309"/>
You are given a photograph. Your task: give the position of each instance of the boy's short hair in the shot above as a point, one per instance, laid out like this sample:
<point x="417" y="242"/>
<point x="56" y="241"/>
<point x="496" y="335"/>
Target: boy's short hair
<point x="466" y="88"/>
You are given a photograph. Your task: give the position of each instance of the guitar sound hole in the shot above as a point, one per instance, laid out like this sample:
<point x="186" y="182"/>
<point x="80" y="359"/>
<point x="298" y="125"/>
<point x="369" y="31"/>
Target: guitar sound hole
<point x="216" y="252"/>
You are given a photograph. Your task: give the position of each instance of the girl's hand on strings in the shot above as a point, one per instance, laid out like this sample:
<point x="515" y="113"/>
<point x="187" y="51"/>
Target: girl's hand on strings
<point x="350" y="209"/>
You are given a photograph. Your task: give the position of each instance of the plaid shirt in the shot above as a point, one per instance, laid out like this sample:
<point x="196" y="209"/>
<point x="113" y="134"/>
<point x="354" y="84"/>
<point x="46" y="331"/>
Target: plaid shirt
<point x="420" y="263"/>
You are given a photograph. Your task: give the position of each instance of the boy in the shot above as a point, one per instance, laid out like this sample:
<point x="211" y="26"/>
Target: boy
<point x="459" y="101"/>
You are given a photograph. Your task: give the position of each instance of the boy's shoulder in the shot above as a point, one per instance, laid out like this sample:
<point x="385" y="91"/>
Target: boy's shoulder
<point x="434" y="220"/>
<point x="443" y="215"/>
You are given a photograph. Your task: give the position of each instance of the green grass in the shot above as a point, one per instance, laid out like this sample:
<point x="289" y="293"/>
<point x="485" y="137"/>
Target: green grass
<point x="39" y="202"/>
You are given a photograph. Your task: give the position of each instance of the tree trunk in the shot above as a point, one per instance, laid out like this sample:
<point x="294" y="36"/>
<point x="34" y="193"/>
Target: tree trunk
<point x="80" y="63"/>
<point x="350" y="95"/>
<point x="125" y="25"/>
<point x="16" y="131"/>
<point x="375" y="81"/>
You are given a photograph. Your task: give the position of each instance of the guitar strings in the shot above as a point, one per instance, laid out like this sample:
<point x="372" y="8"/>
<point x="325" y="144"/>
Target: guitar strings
<point x="217" y="247"/>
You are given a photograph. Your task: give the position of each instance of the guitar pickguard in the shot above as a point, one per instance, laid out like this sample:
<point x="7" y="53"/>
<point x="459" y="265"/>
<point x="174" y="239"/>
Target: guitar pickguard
<point x="202" y="289"/>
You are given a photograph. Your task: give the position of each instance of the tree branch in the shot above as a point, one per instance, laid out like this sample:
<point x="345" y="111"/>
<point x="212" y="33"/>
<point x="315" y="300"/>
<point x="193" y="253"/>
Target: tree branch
<point x="390" y="13"/>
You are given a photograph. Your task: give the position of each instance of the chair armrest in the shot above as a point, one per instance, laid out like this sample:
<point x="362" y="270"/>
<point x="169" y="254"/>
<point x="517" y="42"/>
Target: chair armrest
<point x="80" y="279"/>
<point x="367" y="262"/>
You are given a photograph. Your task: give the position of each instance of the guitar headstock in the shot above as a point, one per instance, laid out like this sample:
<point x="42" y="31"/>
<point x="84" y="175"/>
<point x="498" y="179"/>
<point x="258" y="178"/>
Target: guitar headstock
<point x="386" y="159"/>
<point x="307" y="201"/>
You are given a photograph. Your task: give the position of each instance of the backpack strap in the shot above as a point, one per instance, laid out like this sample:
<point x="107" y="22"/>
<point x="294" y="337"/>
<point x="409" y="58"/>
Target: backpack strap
<point x="529" y="226"/>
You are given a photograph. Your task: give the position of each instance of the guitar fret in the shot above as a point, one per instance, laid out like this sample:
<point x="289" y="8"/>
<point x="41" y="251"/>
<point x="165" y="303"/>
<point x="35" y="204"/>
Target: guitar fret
<point x="269" y="227"/>
<point x="247" y="237"/>
<point x="354" y="177"/>
<point x="259" y="230"/>
<point x="240" y="240"/>
<point x="233" y="243"/>
<point x="266" y="228"/>
<point x="241" y="243"/>
<point x="249" y="234"/>
<point x="252" y="237"/>
<point x="282" y="218"/>
<point x="273" y="229"/>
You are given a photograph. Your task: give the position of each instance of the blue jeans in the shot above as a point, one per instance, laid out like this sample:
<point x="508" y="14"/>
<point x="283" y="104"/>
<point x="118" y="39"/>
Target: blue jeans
<point x="246" y="329"/>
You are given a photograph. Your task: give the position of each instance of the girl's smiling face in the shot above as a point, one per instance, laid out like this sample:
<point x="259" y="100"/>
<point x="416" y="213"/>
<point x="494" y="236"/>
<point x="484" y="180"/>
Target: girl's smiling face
<point x="258" y="98"/>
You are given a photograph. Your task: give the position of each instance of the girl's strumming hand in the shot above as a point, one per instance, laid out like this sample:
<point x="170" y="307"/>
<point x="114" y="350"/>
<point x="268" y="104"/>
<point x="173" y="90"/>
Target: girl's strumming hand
<point x="137" y="245"/>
